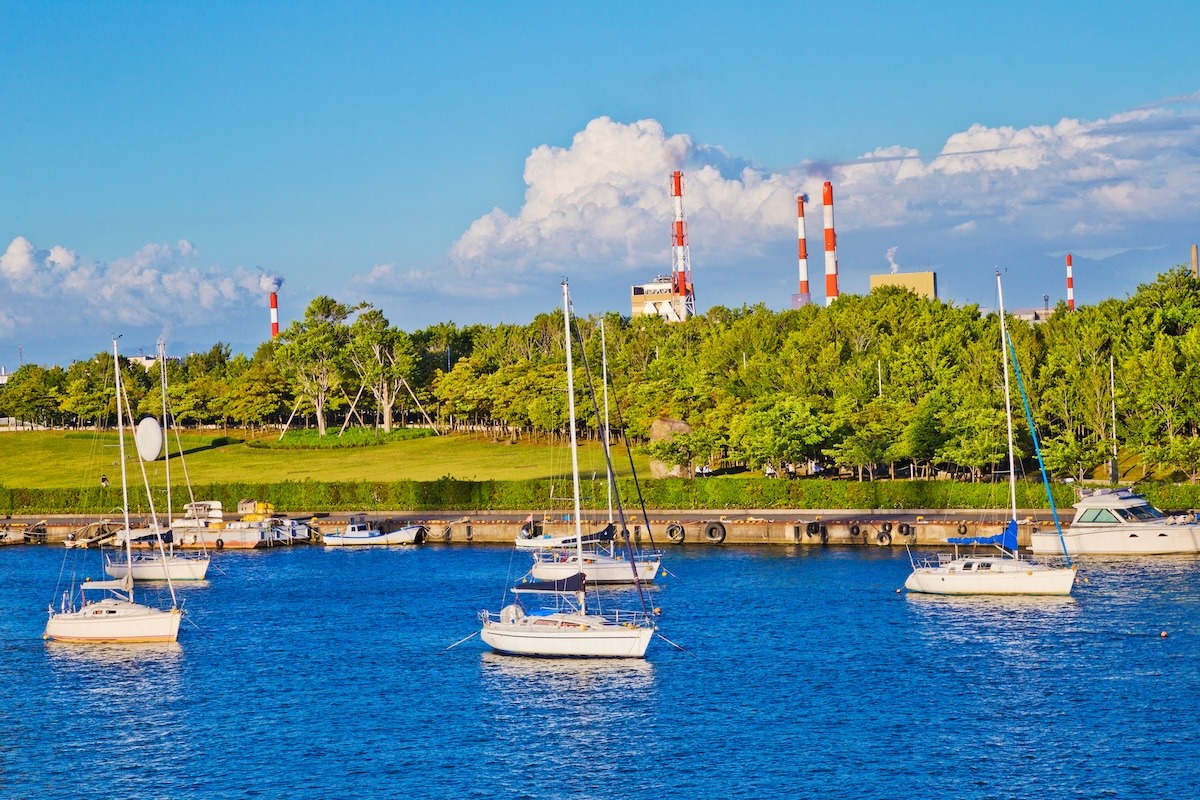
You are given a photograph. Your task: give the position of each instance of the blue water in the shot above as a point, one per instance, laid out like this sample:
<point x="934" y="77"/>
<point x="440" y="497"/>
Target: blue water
<point x="321" y="674"/>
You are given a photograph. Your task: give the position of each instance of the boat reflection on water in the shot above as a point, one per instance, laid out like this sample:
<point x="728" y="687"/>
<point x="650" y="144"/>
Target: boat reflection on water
<point x="150" y="658"/>
<point x="597" y="692"/>
<point x="532" y="679"/>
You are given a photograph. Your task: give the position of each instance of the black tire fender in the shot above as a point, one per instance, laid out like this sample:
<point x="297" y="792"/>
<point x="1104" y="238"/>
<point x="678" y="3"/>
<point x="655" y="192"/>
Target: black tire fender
<point x="886" y="527"/>
<point x="676" y="533"/>
<point x="854" y="529"/>
<point x="220" y="544"/>
<point x="883" y="538"/>
<point x="812" y="528"/>
<point x="714" y="533"/>
<point x="905" y="529"/>
<point x="962" y="529"/>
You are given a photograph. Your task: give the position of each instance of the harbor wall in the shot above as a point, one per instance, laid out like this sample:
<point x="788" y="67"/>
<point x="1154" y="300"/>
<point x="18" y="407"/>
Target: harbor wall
<point x="863" y="529"/>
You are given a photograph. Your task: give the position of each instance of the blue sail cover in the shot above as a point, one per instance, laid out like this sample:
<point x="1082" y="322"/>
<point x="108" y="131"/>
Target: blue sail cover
<point x="572" y="583"/>
<point x="1007" y="539"/>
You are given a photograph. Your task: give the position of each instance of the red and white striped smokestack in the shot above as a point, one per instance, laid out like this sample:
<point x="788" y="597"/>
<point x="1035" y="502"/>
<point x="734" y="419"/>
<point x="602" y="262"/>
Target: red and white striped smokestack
<point x="274" y="315"/>
<point x="831" y="265"/>
<point x="1070" y="285"/>
<point x="681" y="267"/>
<point x="805" y="296"/>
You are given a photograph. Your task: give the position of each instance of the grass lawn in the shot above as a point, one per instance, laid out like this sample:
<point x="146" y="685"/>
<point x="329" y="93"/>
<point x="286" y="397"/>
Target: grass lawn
<point x="54" y="459"/>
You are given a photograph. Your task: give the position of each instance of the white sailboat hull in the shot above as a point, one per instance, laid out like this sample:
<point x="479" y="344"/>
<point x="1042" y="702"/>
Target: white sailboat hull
<point x="357" y="538"/>
<point x="567" y="636"/>
<point x="1003" y="576"/>
<point x="113" y="621"/>
<point x="1127" y="539"/>
<point x="597" y="568"/>
<point x="154" y="567"/>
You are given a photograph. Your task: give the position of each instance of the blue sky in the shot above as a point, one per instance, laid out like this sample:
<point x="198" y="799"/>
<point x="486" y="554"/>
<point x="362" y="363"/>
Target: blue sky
<point x="162" y="163"/>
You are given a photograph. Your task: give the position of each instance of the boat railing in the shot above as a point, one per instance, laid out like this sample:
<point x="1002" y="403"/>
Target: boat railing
<point x="566" y="554"/>
<point x="638" y="619"/>
<point x="934" y="561"/>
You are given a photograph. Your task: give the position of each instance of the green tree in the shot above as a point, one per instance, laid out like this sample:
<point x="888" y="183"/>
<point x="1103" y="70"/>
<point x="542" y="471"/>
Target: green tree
<point x="312" y="353"/>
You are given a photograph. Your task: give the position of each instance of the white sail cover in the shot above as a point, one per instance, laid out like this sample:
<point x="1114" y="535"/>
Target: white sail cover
<point x="124" y="584"/>
<point x="149" y="439"/>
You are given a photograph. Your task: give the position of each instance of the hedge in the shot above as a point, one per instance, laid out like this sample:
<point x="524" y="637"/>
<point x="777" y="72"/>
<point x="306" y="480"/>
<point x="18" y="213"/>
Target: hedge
<point x="448" y="494"/>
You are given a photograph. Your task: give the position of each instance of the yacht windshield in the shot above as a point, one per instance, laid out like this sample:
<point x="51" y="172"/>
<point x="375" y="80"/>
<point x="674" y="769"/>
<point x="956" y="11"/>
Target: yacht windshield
<point x="1145" y="513"/>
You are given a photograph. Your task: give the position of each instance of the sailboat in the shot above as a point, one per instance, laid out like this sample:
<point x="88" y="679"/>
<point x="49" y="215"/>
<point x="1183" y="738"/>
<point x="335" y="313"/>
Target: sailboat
<point x="567" y="628"/>
<point x="153" y="565"/>
<point x="115" y="618"/>
<point x="1000" y="570"/>
<point x="602" y="562"/>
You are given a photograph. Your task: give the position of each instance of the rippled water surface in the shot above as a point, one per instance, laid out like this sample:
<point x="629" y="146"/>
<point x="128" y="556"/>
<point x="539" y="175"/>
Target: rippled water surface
<point x="306" y="673"/>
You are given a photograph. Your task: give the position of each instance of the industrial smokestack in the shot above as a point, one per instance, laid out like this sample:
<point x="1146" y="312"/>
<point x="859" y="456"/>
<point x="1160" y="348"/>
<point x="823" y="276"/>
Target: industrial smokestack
<point x="805" y="296"/>
<point x="1195" y="264"/>
<point x="681" y="267"/>
<point x="274" y="315"/>
<point x="1070" y="285"/>
<point x="831" y="265"/>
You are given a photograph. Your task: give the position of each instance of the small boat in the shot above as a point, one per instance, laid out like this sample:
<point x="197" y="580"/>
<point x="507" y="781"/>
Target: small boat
<point x="359" y="532"/>
<point x="115" y="618"/>
<point x="566" y="627"/>
<point x="597" y="566"/>
<point x="1000" y="571"/>
<point x="198" y="517"/>
<point x="258" y="527"/>
<point x="602" y="561"/>
<point x="154" y="565"/>
<point x="1121" y="522"/>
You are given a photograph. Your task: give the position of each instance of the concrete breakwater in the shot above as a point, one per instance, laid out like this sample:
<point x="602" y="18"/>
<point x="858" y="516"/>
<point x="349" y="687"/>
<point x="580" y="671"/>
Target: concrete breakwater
<point x="864" y="528"/>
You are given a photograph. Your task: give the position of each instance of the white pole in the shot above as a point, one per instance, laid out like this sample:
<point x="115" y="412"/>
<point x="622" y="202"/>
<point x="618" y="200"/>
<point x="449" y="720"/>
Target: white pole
<point x="604" y="375"/>
<point x="1012" y="471"/>
<point x="124" y="481"/>
<point x="574" y="450"/>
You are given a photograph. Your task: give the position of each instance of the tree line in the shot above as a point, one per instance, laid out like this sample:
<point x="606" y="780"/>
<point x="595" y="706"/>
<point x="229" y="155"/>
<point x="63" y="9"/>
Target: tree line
<point x="884" y="383"/>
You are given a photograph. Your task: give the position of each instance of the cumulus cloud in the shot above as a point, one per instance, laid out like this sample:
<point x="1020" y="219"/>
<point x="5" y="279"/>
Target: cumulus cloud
<point x="158" y="282"/>
<point x="603" y="202"/>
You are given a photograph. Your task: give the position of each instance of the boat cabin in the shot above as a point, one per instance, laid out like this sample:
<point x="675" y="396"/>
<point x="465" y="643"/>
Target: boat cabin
<point x="1114" y="507"/>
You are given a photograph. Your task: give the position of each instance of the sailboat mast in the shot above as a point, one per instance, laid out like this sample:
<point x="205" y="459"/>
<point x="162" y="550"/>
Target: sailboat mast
<point x="1012" y="471"/>
<point x="162" y="374"/>
<point x="1114" y="468"/>
<point x="604" y="377"/>
<point x="124" y="476"/>
<point x="574" y="449"/>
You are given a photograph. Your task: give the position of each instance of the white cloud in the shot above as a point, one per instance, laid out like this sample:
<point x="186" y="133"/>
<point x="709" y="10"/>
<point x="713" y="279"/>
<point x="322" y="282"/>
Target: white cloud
<point x="603" y="203"/>
<point x="159" y="282"/>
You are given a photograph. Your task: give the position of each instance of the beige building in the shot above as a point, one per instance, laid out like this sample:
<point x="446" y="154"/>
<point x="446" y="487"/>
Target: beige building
<point x="660" y="298"/>
<point x="920" y="283"/>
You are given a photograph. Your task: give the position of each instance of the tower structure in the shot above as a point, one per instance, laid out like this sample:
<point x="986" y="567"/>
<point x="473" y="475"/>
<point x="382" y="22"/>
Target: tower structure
<point x="1070" y="285"/>
<point x="831" y="264"/>
<point x="805" y="296"/>
<point x="274" y="315"/>
<point x="684" y="298"/>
